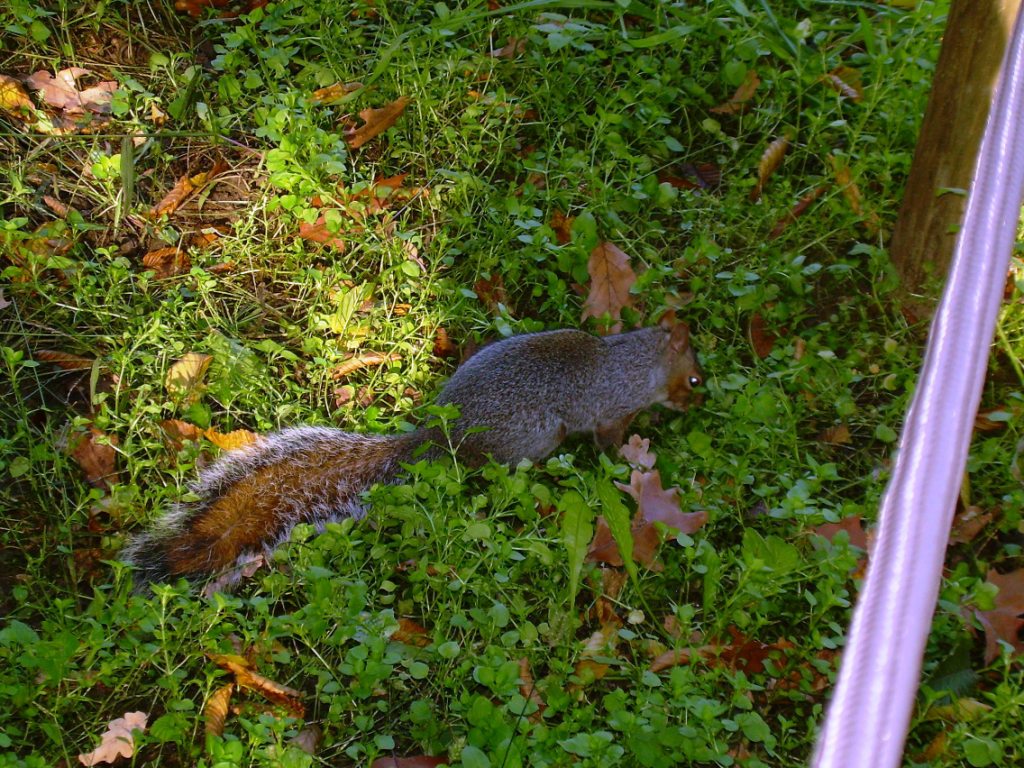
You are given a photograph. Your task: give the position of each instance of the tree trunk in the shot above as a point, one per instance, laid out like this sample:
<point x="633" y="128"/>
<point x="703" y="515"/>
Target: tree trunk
<point x="972" y="50"/>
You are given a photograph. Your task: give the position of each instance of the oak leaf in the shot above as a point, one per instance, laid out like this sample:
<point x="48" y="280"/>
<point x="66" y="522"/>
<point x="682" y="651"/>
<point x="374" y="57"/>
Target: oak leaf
<point x="611" y="278"/>
<point x="185" y="187"/>
<point x="604" y="549"/>
<point x="411" y="633"/>
<point x="658" y="505"/>
<point x="853" y="527"/>
<point x="1003" y="622"/>
<point x="167" y="262"/>
<point x="637" y="452"/>
<point x="179" y="432"/>
<point x="117" y="741"/>
<point x="761" y="339"/>
<point x="562" y="225"/>
<point x="375" y="121"/>
<point x="968" y="523"/>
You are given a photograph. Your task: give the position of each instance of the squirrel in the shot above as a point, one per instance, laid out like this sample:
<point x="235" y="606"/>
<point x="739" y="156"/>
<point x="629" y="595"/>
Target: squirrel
<point x="518" y="398"/>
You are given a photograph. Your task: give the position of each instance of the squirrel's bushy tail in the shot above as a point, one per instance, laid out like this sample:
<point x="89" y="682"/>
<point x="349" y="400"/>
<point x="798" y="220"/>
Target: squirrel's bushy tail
<point x="250" y="499"/>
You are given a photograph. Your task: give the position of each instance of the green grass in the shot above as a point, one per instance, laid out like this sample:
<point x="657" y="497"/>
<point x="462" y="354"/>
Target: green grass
<point x="605" y="102"/>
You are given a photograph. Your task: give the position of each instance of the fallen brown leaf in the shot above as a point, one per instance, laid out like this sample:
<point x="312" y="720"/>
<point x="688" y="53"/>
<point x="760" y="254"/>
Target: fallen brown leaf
<point x="797" y="210"/>
<point x="318" y="232"/>
<point x="511" y="49"/>
<point x="375" y="121"/>
<point x="846" y="80"/>
<point x="761" y="339"/>
<point x="528" y="690"/>
<point x="334" y="93"/>
<point x="184" y="188"/>
<point x="1003" y="622"/>
<point x="637" y="452"/>
<point x="65" y="360"/>
<point x="167" y="262"/>
<point x="611" y="277"/>
<point x="61" y="91"/>
<point x="185" y="376"/>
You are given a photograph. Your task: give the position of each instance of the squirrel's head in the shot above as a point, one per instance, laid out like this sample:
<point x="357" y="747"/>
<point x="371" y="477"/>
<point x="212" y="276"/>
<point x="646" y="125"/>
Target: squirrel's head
<point x="683" y="371"/>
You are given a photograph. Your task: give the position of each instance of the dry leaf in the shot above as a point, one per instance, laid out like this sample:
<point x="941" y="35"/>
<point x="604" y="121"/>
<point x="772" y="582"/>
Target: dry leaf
<point x="375" y="121"/>
<point x="761" y="339"/>
<point x="443" y="345"/>
<point x="65" y="360"/>
<point x="528" y="690"/>
<point x="61" y="91"/>
<point x="365" y="360"/>
<point x="658" y="505"/>
<point x="318" y="232"/>
<point x="184" y="188"/>
<point x="836" y="435"/>
<point x="247" y="677"/>
<point x="167" y="262"/>
<point x="853" y="527"/>
<point x="770" y="161"/>
<point x="611" y="277"/>
<point x="117" y="741"/>
<point x="411" y="633"/>
<point x="695" y="176"/>
<point x="185" y="377"/>
<point x="562" y="225"/>
<point x="511" y="49"/>
<point x="846" y="80"/>
<point x="1003" y="622"/>
<point x="231" y="441"/>
<point x="308" y="739"/>
<point x="334" y="93"/>
<point x="179" y="432"/>
<point x="417" y="761"/>
<point x="4" y="303"/>
<point x="97" y="459"/>
<point x="492" y="294"/>
<point x="215" y="713"/>
<point x="737" y="103"/>
<point x="637" y="452"/>
<point x="797" y="210"/>
<point x="14" y="100"/>
<point x="604" y="549"/>
<point x="968" y="523"/>
<point x="850" y="190"/>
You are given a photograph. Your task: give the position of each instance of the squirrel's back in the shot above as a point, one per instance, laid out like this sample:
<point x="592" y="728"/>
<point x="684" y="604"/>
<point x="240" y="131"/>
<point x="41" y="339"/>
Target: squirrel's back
<point x="518" y="399"/>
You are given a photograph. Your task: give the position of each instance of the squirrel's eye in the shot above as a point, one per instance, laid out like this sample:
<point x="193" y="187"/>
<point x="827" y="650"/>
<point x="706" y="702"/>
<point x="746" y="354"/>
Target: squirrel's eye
<point x="695" y="381"/>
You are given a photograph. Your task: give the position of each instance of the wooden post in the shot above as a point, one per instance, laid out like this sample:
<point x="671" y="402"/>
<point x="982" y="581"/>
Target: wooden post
<point x="972" y="49"/>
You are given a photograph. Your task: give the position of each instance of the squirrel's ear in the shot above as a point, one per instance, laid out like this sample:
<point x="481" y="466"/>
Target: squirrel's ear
<point x="668" y="319"/>
<point x="680" y="337"/>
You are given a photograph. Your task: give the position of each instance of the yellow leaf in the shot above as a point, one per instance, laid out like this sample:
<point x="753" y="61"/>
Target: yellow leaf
<point x="231" y="441"/>
<point x="186" y="375"/>
<point x="13" y="98"/>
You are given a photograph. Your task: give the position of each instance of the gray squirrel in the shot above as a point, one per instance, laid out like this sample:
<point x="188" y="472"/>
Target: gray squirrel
<point x="518" y="398"/>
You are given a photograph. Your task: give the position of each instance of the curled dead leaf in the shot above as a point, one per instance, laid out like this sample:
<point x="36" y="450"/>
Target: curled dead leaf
<point x="770" y="161"/>
<point x="215" y="713"/>
<point x="247" y="677"/>
<point x="184" y="188"/>
<point x="797" y="210"/>
<point x="637" y="452"/>
<point x="335" y="93"/>
<point x="61" y="91"/>
<point x="65" y="360"/>
<point x="846" y="80"/>
<point x="365" y="360"/>
<point x="528" y="690"/>
<point x="318" y="232"/>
